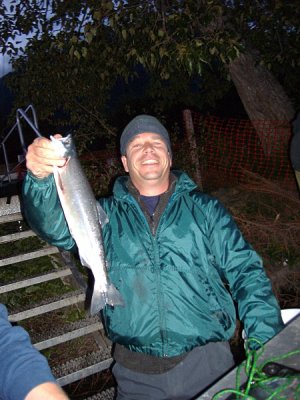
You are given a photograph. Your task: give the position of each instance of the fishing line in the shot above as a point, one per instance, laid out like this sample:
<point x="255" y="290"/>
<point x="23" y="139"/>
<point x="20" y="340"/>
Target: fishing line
<point x="259" y="379"/>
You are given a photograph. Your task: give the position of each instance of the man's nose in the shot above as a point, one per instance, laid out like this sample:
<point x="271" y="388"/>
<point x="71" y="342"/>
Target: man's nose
<point x="148" y="147"/>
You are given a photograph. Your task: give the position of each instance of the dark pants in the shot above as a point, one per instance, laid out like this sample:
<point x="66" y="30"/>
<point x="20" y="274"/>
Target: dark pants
<point x="203" y="366"/>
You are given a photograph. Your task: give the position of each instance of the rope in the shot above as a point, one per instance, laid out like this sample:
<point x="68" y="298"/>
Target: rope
<point x="257" y="378"/>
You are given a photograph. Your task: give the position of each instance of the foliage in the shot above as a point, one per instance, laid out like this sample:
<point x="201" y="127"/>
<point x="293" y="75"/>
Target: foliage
<point x="102" y="173"/>
<point x="274" y="32"/>
<point x="268" y="216"/>
<point x="80" y="53"/>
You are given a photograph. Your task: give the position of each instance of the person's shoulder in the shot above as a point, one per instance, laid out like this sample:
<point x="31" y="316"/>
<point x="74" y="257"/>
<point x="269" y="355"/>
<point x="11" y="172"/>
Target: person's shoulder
<point x="209" y="204"/>
<point x="202" y="197"/>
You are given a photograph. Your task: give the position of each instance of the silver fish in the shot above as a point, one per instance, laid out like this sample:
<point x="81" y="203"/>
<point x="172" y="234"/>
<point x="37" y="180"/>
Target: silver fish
<point x="84" y="217"/>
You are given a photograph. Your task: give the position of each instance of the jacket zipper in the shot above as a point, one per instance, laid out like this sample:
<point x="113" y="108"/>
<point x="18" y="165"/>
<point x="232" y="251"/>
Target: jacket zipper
<point x="161" y="307"/>
<point x="157" y="270"/>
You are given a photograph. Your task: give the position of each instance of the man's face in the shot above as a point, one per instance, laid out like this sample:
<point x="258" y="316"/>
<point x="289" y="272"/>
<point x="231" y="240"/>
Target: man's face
<point x="147" y="160"/>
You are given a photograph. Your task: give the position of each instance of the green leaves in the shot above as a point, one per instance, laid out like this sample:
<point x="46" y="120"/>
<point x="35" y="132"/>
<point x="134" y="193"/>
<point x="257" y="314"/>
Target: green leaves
<point x="79" y="50"/>
<point x="124" y="34"/>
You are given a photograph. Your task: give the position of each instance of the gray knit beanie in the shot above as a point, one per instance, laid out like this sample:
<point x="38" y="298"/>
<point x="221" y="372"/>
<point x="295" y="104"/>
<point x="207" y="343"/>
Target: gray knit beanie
<point x="142" y="124"/>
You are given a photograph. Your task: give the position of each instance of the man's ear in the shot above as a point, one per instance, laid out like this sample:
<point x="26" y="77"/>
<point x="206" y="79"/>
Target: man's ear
<point x="124" y="162"/>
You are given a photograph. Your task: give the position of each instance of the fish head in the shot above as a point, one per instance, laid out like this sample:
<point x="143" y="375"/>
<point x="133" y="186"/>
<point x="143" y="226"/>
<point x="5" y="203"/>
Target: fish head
<point x="65" y="146"/>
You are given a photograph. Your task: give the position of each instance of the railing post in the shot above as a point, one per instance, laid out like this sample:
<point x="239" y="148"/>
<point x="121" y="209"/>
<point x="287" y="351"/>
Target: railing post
<point x="6" y="163"/>
<point x="33" y="124"/>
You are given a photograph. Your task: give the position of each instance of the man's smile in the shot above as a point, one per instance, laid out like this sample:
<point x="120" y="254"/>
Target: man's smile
<point x="149" y="162"/>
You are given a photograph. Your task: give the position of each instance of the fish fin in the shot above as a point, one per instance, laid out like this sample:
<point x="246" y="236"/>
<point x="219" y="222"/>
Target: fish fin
<point x="98" y="302"/>
<point x="111" y="296"/>
<point x="103" y="218"/>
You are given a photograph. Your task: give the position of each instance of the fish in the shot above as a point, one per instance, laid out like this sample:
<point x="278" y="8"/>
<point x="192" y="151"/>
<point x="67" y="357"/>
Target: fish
<point x="85" y="218"/>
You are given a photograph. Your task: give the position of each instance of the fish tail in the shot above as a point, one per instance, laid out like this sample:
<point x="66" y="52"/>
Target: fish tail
<point x="99" y="299"/>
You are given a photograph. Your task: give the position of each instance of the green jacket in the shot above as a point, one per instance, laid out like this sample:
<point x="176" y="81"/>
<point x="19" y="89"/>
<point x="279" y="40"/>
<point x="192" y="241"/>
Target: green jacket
<point x="175" y="283"/>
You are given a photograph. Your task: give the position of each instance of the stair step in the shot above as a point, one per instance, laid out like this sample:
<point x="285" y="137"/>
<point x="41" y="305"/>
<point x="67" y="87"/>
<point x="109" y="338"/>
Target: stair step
<point x="36" y="280"/>
<point x="97" y="326"/>
<point x="16" y="236"/>
<point x="42" y="309"/>
<point x="108" y="394"/>
<point x="10" y="209"/>
<point x="29" y="256"/>
<point x="11" y="217"/>
<point x="59" y="330"/>
<point x="85" y="372"/>
<point x="83" y="367"/>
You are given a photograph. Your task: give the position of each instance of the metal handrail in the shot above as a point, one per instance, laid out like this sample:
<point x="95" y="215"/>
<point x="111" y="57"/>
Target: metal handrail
<point x="20" y="114"/>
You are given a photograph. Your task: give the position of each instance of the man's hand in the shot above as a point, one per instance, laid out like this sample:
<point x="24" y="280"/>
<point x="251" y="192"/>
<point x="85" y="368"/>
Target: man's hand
<point x="47" y="391"/>
<point x="41" y="157"/>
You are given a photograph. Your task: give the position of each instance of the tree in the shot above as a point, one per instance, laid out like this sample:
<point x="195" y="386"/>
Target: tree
<point x="91" y="44"/>
<point x="235" y="36"/>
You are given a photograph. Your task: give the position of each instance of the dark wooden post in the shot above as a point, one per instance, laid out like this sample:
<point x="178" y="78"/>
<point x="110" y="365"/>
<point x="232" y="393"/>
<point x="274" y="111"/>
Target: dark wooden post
<point x="190" y="134"/>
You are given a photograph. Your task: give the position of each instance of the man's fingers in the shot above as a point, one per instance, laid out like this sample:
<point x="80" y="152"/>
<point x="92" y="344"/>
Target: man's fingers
<point x="57" y="136"/>
<point x="42" y="156"/>
<point x="43" y="149"/>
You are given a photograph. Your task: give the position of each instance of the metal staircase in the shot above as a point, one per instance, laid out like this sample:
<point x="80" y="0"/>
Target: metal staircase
<point x="27" y="267"/>
<point x="29" y="314"/>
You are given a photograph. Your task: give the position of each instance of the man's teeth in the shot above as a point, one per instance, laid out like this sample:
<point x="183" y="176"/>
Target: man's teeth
<point x="149" y="162"/>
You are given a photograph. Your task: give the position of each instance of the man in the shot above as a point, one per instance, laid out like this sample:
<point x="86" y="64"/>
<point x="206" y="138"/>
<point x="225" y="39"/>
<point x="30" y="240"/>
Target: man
<point x="24" y="372"/>
<point x="169" y="249"/>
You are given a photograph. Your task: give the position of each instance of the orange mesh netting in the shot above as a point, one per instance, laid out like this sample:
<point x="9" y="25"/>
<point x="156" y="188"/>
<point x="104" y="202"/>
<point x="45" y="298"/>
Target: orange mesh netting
<point x="229" y="146"/>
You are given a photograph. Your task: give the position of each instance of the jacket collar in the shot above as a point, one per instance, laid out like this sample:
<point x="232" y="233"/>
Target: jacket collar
<point x="183" y="184"/>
